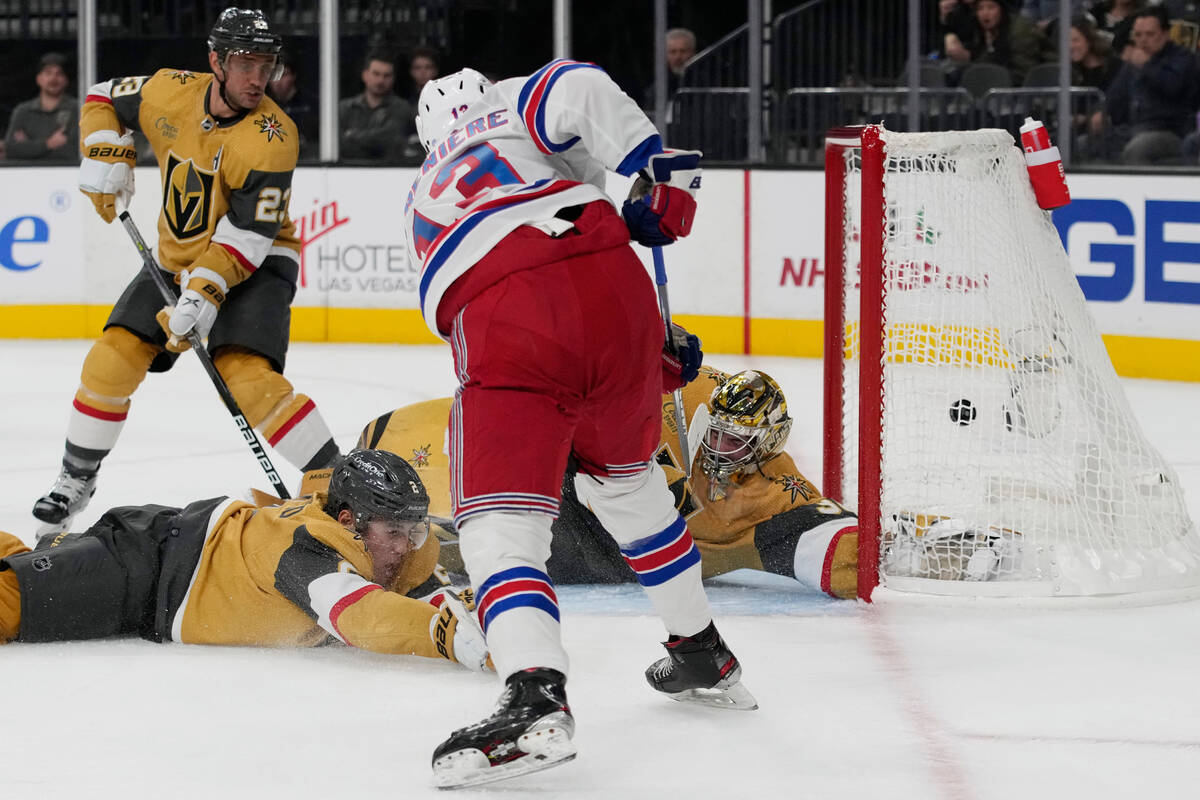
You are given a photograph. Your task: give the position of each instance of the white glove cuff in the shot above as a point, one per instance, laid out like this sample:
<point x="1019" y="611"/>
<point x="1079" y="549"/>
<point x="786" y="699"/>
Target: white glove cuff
<point x="207" y="274"/>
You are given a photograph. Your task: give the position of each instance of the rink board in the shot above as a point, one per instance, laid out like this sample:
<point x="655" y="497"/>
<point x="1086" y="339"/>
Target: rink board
<point x="749" y="279"/>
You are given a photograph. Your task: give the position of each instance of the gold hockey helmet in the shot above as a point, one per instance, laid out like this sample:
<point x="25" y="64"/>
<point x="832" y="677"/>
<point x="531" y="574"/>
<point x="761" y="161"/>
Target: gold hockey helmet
<point x="748" y="424"/>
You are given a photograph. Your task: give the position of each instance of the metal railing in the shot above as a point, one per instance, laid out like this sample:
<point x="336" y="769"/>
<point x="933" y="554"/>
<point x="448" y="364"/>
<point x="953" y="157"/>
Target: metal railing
<point x="807" y="113"/>
<point x="711" y="120"/>
<point x="714" y="119"/>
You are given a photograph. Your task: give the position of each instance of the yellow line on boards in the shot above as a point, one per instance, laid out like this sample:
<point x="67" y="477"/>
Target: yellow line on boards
<point x="1132" y="356"/>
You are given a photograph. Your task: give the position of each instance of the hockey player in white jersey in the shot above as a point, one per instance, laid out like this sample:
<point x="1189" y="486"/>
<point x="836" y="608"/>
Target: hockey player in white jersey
<point x="526" y="269"/>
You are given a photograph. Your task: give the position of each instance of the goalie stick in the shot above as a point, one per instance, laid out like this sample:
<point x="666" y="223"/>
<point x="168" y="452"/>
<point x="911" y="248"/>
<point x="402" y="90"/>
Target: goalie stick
<point x="660" y="280"/>
<point x="244" y="427"/>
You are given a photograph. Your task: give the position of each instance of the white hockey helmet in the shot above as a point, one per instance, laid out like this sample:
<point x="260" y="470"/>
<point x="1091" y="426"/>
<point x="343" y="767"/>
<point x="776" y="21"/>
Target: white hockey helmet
<point x="443" y="102"/>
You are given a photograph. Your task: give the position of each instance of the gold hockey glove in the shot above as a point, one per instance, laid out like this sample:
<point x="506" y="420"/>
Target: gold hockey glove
<point x="106" y="171"/>
<point x="456" y="633"/>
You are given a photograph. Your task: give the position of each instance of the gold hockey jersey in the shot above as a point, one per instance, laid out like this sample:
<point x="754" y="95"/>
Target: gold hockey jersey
<point x="290" y="575"/>
<point x="225" y="183"/>
<point x="758" y="524"/>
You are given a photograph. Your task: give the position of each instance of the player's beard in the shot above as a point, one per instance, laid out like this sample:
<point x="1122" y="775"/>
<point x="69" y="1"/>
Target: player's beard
<point x="242" y="102"/>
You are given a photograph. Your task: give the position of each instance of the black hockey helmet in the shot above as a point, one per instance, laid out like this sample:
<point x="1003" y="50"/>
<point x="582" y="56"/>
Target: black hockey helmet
<point x="378" y="485"/>
<point x="244" y="30"/>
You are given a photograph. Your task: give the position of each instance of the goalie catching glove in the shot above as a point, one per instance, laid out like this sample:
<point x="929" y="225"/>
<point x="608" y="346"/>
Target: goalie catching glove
<point x="661" y="205"/>
<point x="106" y="171"/>
<point x="681" y="359"/>
<point x="455" y="632"/>
<point x="195" y="310"/>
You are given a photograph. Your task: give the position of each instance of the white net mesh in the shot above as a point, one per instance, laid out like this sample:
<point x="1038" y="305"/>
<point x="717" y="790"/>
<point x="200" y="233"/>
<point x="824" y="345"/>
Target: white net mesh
<point x="1011" y="462"/>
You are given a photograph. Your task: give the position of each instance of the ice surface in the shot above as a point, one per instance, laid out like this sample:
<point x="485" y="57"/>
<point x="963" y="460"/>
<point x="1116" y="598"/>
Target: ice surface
<point x="948" y="699"/>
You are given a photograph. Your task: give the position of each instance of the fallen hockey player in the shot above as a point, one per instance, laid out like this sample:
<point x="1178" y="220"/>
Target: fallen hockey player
<point x="334" y="566"/>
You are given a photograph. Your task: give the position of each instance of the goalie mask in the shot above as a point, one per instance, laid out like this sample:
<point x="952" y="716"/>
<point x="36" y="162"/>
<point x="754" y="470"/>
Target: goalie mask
<point x="443" y="102"/>
<point x="748" y="424"/>
<point x="376" y="485"/>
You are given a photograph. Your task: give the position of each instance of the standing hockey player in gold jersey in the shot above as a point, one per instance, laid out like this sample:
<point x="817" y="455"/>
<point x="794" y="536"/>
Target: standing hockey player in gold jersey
<point x="746" y="504"/>
<point x="226" y="153"/>
<point x="225" y="572"/>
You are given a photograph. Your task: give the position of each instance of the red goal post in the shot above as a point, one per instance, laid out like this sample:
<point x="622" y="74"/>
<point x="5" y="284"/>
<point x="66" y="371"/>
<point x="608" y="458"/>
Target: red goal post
<point x="971" y="413"/>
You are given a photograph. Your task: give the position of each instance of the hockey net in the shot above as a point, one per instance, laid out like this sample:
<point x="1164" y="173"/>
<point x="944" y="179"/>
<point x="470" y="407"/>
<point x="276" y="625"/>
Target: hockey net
<point x="971" y="411"/>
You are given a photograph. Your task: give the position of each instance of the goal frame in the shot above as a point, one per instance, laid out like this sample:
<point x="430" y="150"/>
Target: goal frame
<point x="837" y="141"/>
<point x="1106" y="518"/>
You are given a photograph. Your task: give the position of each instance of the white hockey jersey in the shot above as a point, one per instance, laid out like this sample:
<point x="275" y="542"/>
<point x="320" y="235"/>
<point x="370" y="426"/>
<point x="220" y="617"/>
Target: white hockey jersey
<point x="526" y="148"/>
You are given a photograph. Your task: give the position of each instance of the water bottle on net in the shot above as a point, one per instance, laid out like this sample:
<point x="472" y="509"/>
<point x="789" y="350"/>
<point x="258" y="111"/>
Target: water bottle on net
<point x="1045" y="166"/>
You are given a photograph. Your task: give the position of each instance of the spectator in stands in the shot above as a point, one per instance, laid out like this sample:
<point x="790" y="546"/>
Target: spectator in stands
<point x="297" y="104"/>
<point x="1002" y="36"/>
<point x="423" y="66"/>
<point x="681" y="48"/>
<point x="956" y="21"/>
<point x="1114" y="18"/>
<point x="45" y="128"/>
<point x="1151" y="102"/>
<point x="376" y="124"/>
<point x="1093" y="63"/>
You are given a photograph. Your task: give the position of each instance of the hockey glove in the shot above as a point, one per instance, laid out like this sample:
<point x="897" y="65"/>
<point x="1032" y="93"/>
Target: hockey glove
<point x="681" y="359"/>
<point x="661" y="204"/>
<point x="106" y="172"/>
<point x="196" y="310"/>
<point x="456" y="633"/>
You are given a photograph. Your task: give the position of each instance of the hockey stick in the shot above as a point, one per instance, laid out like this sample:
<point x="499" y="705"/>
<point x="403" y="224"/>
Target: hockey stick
<point x="660" y="279"/>
<point x="151" y="265"/>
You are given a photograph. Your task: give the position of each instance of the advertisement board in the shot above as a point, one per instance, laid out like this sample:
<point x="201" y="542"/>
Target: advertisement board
<point x="749" y="279"/>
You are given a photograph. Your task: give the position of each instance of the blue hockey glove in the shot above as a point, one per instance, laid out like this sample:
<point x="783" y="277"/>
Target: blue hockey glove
<point x="681" y="359"/>
<point x="661" y="205"/>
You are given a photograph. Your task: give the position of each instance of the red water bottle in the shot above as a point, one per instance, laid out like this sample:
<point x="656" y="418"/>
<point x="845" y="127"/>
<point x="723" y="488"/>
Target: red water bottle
<point x="1045" y="166"/>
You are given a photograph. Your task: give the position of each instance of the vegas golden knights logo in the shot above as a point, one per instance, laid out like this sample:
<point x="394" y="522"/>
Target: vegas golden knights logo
<point x="187" y="197"/>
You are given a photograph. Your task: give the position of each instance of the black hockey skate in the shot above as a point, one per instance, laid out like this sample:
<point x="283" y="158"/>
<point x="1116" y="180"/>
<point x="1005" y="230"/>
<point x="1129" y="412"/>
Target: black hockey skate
<point x="530" y="730"/>
<point x="701" y="669"/>
<point x="68" y="496"/>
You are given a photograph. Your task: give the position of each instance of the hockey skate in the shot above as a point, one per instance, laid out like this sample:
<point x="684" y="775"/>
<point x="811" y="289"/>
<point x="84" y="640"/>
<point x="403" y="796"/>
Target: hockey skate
<point x="529" y="731"/>
<point x="701" y="669"/>
<point x="69" y="495"/>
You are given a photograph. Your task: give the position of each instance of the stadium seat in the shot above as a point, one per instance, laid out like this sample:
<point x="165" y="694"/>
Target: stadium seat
<point x="978" y="78"/>
<point x="1042" y="75"/>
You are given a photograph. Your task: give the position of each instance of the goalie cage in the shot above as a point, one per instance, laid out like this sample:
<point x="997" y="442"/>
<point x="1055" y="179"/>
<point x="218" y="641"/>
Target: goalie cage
<point x="970" y="405"/>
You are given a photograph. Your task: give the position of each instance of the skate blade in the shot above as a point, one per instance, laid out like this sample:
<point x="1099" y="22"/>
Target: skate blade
<point x="544" y="748"/>
<point x="734" y="697"/>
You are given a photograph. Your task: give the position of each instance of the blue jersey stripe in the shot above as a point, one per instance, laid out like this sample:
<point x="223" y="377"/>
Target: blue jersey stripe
<point x="640" y="155"/>
<point x="512" y="573"/>
<point x="665" y="573"/>
<point x="461" y="229"/>
<point x="655" y="541"/>
<point x="530" y="600"/>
